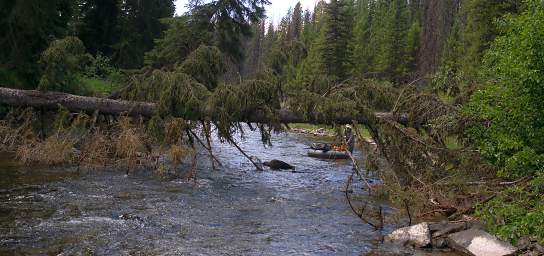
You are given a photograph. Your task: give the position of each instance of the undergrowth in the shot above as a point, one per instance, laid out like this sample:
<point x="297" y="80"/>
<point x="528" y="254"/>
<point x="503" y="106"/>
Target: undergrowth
<point x="517" y="212"/>
<point x="87" y="142"/>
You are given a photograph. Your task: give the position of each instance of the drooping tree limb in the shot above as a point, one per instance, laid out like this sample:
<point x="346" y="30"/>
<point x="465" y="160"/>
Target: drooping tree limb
<point x="258" y="166"/>
<point x="362" y="212"/>
<point x="207" y="147"/>
<point x="357" y="170"/>
<point x="207" y="132"/>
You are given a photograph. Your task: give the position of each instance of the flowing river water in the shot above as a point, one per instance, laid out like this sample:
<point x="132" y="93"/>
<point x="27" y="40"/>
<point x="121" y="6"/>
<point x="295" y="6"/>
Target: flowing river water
<point x="233" y="211"/>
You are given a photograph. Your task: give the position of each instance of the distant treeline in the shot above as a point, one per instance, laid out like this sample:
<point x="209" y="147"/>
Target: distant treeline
<point x="398" y="40"/>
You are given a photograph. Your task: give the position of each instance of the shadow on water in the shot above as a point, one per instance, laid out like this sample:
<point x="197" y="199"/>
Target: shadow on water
<point x="233" y="211"/>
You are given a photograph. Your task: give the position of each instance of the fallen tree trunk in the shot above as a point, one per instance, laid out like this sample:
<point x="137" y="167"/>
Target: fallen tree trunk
<point x="76" y="103"/>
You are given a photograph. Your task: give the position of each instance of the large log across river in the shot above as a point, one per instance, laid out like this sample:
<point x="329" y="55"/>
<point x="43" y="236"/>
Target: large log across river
<point x="76" y="103"/>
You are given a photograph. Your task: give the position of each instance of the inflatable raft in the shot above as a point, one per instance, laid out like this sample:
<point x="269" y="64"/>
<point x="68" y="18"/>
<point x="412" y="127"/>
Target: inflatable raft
<point x="331" y="154"/>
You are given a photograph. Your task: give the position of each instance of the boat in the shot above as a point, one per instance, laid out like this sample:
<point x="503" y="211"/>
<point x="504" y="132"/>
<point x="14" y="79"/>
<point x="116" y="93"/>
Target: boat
<point x="331" y="154"/>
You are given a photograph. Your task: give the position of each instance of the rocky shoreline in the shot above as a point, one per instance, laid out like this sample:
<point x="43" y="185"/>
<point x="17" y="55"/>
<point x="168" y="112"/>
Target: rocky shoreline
<point x="320" y="132"/>
<point x="465" y="237"/>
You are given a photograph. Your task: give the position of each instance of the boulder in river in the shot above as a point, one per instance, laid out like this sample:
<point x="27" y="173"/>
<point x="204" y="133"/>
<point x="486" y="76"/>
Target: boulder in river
<point x="477" y="242"/>
<point x="278" y="165"/>
<point x="418" y="235"/>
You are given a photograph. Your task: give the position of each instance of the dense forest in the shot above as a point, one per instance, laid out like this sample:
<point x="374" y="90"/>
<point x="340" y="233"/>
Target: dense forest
<point x="433" y="42"/>
<point x="468" y="73"/>
<point x="116" y="33"/>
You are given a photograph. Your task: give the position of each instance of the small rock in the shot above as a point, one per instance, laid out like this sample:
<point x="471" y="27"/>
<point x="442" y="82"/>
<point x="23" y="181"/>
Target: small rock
<point x="128" y="216"/>
<point x="328" y="247"/>
<point x="418" y="235"/>
<point x="539" y="248"/>
<point x="524" y="243"/>
<point x="477" y="242"/>
<point x="529" y="247"/>
<point x="274" y="200"/>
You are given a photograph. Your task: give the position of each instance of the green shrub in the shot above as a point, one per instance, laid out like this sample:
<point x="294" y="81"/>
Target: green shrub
<point x="205" y="64"/>
<point x="100" y="77"/>
<point x="97" y="87"/>
<point x="448" y="81"/>
<point x="63" y="62"/>
<point x="517" y="212"/>
<point x="508" y="114"/>
<point x="99" y="67"/>
<point x="508" y="111"/>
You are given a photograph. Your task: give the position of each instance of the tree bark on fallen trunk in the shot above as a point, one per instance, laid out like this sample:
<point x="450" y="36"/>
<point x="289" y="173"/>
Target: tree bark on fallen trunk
<point x="76" y="103"/>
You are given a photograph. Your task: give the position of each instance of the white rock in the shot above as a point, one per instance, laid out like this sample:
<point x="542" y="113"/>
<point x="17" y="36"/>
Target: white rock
<point x="418" y="235"/>
<point x="479" y="243"/>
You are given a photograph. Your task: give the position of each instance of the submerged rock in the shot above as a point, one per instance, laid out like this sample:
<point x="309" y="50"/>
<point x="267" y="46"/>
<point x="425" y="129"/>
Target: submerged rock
<point x="479" y="243"/>
<point x="128" y="216"/>
<point x="418" y="235"/>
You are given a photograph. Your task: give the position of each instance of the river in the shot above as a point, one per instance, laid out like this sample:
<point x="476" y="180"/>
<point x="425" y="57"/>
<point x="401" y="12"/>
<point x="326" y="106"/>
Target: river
<point x="233" y="211"/>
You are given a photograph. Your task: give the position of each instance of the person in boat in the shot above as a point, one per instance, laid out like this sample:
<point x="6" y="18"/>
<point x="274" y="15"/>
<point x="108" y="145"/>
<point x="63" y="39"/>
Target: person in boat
<point x="349" y="138"/>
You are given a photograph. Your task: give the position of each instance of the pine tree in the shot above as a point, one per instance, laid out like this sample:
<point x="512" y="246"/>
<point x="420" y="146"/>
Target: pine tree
<point x="480" y="29"/>
<point x="270" y="37"/>
<point x="178" y="41"/>
<point x="140" y="25"/>
<point x="382" y="37"/>
<point x="361" y="54"/>
<point x="404" y="31"/>
<point x="335" y="38"/>
<point x="412" y="46"/>
<point x="307" y="75"/>
<point x="307" y="28"/>
<point x="254" y="51"/>
<point x="230" y="21"/>
<point x="295" y="28"/>
<point x="98" y="26"/>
